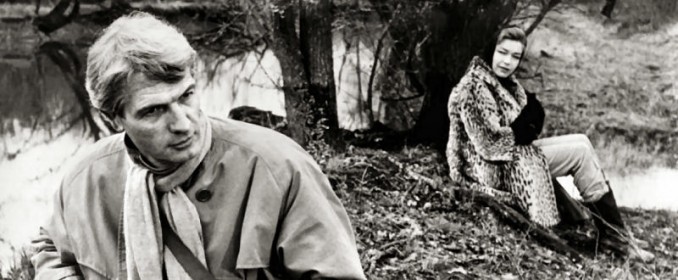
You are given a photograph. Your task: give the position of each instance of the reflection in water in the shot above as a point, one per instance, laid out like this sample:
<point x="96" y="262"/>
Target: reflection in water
<point x="655" y="188"/>
<point x="65" y="57"/>
<point x="35" y="94"/>
<point x="33" y="90"/>
<point x="37" y="88"/>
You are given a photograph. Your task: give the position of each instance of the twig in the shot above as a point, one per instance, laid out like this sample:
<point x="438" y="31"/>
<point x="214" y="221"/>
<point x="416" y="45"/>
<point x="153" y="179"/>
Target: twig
<point x="545" y="8"/>
<point x="394" y="242"/>
<point x="347" y="46"/>
<point x="406" y="98"/>
<point x="358" y="73"/>
<point x="420" y="177"/>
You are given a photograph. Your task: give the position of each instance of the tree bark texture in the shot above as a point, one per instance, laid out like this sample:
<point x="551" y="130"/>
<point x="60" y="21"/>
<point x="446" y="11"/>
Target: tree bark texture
<point x="307" y="69"/>
<point x="399" y="84"/>
<point x="315" y="36"/>
<point x="285" y="46"/>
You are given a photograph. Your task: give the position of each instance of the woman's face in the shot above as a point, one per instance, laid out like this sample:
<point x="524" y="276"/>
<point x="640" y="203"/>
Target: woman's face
<point x="506" y="57"/>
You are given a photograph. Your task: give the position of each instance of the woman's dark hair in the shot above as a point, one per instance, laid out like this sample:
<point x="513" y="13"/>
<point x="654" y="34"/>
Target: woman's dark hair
<point x="508" y="33"/>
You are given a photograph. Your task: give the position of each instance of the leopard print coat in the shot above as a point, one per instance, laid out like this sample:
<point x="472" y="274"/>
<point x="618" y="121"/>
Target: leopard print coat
<point x="481" y="150"/>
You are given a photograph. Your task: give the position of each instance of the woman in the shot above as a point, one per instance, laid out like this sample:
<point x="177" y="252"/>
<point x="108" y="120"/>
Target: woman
<point x="493" y="127"/>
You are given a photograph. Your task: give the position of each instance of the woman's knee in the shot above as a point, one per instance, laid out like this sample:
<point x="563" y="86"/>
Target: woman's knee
<point x="582" y="150"/>
<point x="583" y="140"/>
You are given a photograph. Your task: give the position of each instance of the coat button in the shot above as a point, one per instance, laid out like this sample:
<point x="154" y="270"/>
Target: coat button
<point x="203" y="195"/>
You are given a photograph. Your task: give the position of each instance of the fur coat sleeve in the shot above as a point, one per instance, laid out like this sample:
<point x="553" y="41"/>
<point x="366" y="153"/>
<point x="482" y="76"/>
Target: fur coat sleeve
<point x="480" y="115"/>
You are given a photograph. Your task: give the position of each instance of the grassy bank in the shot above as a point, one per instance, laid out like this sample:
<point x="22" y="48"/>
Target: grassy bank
<point x="611" y="79"/>
<point x="409" y="227"/>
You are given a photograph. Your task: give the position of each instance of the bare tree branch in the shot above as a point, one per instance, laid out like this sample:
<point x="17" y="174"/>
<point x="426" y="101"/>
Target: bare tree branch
<point x="546" y="7"/>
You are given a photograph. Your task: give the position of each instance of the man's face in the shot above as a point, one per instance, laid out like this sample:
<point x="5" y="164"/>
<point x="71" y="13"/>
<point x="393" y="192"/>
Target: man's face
<point x="506" y="57"/>
<point x="163" y="119"/>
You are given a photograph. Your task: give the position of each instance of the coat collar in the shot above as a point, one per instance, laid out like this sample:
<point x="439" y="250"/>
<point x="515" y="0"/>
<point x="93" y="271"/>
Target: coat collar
<point x="484" y="72"/>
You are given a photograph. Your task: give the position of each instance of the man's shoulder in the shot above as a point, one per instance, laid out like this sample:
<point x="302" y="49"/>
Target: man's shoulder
<point x="264" y="142"/>
<point x="101" y="153"/>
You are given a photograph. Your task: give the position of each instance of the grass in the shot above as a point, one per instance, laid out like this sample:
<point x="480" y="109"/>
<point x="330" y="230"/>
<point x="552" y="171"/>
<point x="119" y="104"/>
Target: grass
<point x="409" y="228"/>
<point x="618" y="155"/>
<point x="21" y="268"/>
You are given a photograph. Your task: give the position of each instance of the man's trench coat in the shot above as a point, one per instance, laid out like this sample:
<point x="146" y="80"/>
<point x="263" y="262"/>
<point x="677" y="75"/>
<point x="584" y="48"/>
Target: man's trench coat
<point x="265" y="207"/>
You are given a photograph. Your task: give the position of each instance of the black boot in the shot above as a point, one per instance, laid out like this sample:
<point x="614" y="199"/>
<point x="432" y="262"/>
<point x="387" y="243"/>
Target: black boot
<point x="612" y="234"/>
<point x="608" y="220"/>
<point x="607" y="216"/>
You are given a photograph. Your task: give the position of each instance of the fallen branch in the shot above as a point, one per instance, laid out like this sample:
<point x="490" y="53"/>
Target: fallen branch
<point x="420" y="177"/>
<point x="543" y="235"/>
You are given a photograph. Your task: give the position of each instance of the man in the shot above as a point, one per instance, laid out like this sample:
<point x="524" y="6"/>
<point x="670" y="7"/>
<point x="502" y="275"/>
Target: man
<point x="179" y="194"/>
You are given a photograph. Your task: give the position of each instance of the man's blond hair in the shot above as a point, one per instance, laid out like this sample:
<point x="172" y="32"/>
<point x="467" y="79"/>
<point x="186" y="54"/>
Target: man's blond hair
<point x="135" y="43"/>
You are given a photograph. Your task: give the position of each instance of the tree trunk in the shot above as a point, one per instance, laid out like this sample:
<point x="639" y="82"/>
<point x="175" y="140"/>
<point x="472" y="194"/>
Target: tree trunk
<point x="433" y="123"/>
<point x="315" y="36"/>
<point x="458" y="30"/>
<point x="400" y="82"/>
<point x="285" y="46"/>
<point x="433" y="45"/>
<point x="307" y="70"/>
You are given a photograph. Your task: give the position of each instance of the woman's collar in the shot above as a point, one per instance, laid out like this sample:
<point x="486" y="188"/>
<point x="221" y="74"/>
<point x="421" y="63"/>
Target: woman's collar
<point x="487" y="74"/>
<point x="484" y="72"/>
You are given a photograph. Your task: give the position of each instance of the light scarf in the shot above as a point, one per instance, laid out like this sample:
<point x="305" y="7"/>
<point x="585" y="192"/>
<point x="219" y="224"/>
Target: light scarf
<point x="144" y="248"/>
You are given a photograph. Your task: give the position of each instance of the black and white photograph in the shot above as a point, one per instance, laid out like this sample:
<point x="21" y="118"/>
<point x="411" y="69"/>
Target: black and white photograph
<point x="338" y="139"/>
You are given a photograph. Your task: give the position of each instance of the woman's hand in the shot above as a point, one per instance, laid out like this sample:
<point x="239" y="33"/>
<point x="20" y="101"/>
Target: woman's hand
<point x="527" y="126"/>
<point x="524" y="133"/>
